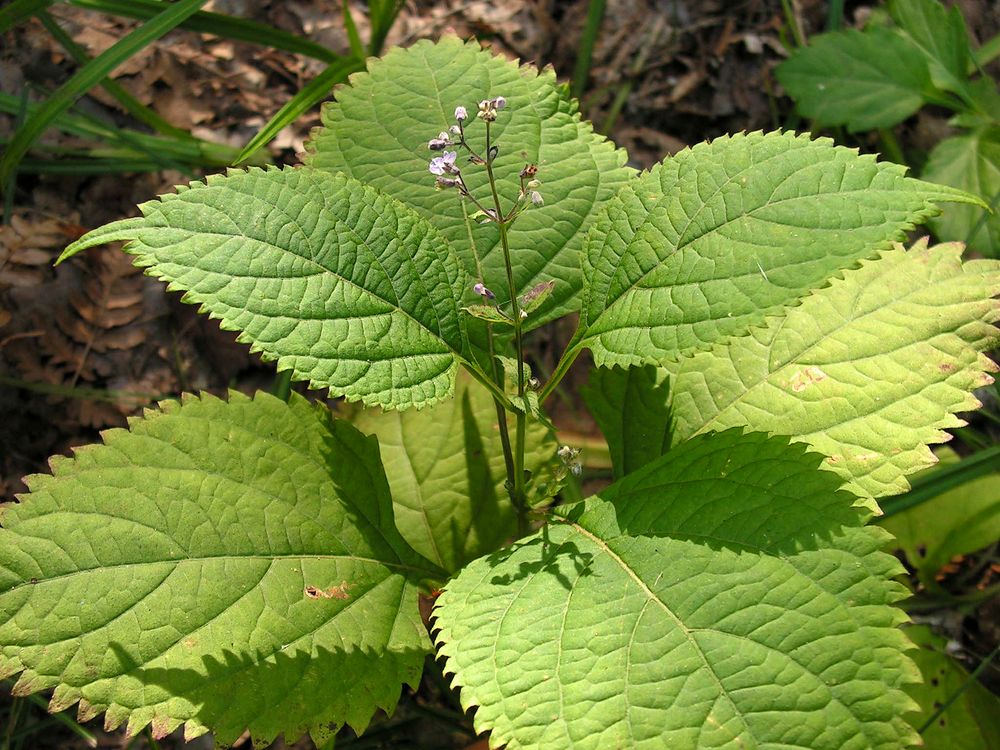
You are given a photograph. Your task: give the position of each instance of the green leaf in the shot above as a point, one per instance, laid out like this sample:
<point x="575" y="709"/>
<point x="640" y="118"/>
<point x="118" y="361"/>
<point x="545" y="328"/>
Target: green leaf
<point x="379" y="126"/>
<point x="709" y="242"/>
<point x="632" y="408"/>
<point x="972" y="722"/>
<point x="970" y="162"/>
<point x="445" y="468"/>
<point x="864" y="80"/>
<point x="337" y="282"/>
<point x="489" y="313"/>
<point x="725" y="595"/>
<point x="89" y="76"/>
<point x="210" y="566"/>
<point x="940" y="33"/>
<point x="957" y="522"/>
<point x="535" y="297"/>
<point x="867" y="371"/>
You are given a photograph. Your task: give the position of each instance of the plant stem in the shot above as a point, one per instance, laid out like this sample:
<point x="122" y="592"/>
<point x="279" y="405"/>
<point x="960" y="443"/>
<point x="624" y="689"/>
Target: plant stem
<point x="518" y="495"/>
<point x="508" y="454"/>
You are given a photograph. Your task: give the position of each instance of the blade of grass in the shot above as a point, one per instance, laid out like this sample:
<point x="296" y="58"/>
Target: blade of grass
<point x="66" y="720"/>
<point x="313" y="92"/>
<point x="595" y="14"/>
<point x="835" y="15"/>
<point x="88" y="76"/>
<point x="19" y="10"/>
<point x="943" y="479"/>
<point x="133" y="106"/>
<point x="217" y="24"/>
<point x="382" y="15"/>
<point x="357" y="49"/>
<point x="195" y="151"/>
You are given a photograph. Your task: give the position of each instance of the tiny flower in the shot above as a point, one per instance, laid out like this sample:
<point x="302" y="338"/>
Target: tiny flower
<point x="487" y="110"/>
<point x="481" y="289"/>
<point x="536" y="198"/>
<point x="461" y="114"/>
<point x="499" y="102"/>
<point x="437" y="144"/>
<point x="534" y="383"/>
<point x="455" y="130"/>
<point x="524" y="314"/>
<point x="444" y="164"/>
<point x="576" y="469"/>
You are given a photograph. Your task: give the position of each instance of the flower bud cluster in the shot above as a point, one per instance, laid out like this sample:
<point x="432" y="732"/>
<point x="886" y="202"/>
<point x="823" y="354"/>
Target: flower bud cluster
<point x="488" y="108"/>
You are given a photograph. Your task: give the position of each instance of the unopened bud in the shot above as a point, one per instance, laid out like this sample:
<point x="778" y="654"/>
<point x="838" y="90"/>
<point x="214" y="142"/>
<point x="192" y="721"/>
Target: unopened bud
<point x="481" y="289"/>
<point x="536" y="198"/>
<point x="461" y="114"/>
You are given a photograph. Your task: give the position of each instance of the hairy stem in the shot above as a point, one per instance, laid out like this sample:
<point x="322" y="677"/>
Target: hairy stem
<point x="518" y="493"/>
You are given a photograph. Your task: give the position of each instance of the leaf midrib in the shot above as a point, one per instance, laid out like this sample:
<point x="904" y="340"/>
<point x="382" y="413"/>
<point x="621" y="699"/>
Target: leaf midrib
<point x="207" y="558"/>
<point x="680" y="246"/>
<point x="151" y="252"/>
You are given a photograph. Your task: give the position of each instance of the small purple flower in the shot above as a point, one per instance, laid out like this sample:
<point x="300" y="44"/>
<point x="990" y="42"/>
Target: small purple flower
<point x="439" y="143"/>
<point x="499" y="102"/>
<point x="481" y="289"/>
<point x="445" y="164"/>
<point x="461" y="114"/>
<point x="536" y="198"/>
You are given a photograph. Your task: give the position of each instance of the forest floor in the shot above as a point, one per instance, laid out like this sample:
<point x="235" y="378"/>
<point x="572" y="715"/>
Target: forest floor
<point x="92" y="342"/>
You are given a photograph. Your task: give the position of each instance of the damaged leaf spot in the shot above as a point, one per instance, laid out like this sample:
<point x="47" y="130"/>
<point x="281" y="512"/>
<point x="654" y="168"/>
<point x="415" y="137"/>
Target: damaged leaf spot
<point x="804" y="378"/>
<point x="333" y="592"/>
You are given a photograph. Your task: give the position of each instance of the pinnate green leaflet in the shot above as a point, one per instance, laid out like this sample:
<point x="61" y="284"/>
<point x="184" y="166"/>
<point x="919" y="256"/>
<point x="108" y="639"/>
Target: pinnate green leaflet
<point x="725" y="595"/>
<point x="344" y="286"/>
<point x="378" y="128"/>
<point x="717" y="236"/>
<point x="864" y="80"/>
<point x="867" y="371"/>
<point x="445" y="469"/>
<point x="226" y="565"/>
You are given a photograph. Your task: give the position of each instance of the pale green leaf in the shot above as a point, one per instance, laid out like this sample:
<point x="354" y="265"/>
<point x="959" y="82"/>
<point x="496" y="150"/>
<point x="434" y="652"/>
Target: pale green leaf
<point x="957" y="522"/>
<point x="379" y="126"/>
<point x="723" y="596"/>
<point x="219" y="565"/>
<point x="342" y="285"/>
<point x="709" y="242"/>
<point x="445" y="468"/>
<point x="940" y="33"/>
<point x="972" y="722"/>
<point x="864" y="80"/>
<point x="632" y="408"/>
<point x="490" y="314"/>
<point x="969" y="162"/>
<point x="867" y="371"/>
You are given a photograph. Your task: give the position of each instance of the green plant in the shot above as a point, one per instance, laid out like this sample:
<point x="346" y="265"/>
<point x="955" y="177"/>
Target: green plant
<point x="876" y="78"/>
<point x="255" y="563"/>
